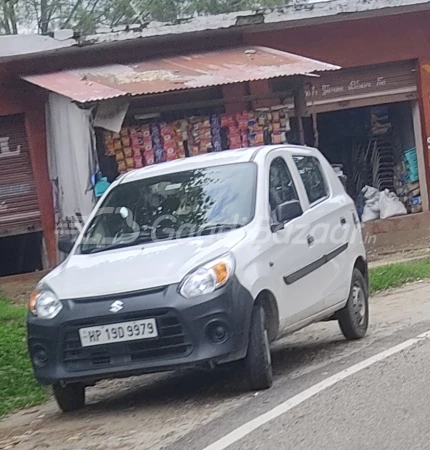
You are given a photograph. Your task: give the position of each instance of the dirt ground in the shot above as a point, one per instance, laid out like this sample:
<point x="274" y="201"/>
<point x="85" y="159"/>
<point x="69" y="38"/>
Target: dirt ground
<point x="152" y="412"/>
<point x="19" y="288"/>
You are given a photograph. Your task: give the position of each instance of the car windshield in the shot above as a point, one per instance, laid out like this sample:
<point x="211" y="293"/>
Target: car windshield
<point x="174" y="206"/>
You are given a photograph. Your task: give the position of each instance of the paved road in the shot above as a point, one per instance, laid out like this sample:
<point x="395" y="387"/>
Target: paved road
<point x="385" y="406"/>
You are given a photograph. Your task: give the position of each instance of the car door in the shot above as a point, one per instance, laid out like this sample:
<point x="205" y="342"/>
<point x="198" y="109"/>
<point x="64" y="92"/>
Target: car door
<point x="291" y="253"/>
<point x="328" y="218"/>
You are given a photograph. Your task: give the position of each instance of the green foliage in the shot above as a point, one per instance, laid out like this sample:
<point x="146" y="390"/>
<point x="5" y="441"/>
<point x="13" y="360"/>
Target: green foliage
<point x="395" y="275"/>
<point x="18" y="387"/>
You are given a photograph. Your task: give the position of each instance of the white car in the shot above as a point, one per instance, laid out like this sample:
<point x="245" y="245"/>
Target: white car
<point x="201" y="261"/>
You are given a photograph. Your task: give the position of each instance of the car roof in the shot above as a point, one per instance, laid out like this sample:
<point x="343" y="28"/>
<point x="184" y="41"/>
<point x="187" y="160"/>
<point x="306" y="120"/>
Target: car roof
<point x="211" y="160"/>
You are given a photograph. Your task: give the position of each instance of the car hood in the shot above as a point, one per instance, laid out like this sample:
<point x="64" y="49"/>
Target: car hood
<point x="137" y="268"/>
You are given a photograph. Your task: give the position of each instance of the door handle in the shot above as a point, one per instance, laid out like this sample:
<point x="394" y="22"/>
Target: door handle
<point x="311" y="240"/>
<point x="343" y="221"/>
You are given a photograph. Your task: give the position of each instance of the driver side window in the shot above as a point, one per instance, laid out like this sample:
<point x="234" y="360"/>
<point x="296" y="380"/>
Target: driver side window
<point x="281" y="185"/>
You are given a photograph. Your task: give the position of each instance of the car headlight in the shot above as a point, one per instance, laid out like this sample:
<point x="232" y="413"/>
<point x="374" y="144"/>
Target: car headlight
<point x="209" y="277"/>
<point x="45" y="304"/>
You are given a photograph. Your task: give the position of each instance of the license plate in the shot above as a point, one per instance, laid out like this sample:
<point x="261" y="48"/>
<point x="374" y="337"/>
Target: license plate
<point x="118" y="332"/>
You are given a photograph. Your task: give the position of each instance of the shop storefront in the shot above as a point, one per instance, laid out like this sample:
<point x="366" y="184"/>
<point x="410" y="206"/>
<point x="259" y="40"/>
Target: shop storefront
<point x="366" y="120"/>
<point x="106" y="121"/>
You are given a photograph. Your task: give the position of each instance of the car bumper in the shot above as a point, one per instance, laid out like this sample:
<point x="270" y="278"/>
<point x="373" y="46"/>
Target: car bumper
<point x="185" y="326"/>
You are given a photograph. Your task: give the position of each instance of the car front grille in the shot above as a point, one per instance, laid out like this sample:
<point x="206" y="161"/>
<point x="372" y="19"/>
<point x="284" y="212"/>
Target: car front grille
<point x="172" y="342"/>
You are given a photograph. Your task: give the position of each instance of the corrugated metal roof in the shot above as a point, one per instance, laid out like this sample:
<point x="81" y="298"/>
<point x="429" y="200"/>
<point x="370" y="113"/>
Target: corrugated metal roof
<point x="177" y="73"/>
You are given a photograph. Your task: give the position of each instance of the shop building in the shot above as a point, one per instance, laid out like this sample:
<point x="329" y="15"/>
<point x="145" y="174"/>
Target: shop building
<point x="367" y="121"/>
<point x="27" y="227"/>
<point x="379" y="99"/>
<point x="377" y="105"/>
<point x="107" y="120"/>
<point x="34" y="189"/>
<point x="370" y="117"/>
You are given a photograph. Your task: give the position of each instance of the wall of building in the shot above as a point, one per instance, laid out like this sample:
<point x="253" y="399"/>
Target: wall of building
<point x="354" y="43"/>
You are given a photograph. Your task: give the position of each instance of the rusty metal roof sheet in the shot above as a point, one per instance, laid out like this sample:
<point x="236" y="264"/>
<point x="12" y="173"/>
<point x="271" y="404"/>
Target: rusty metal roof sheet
<point x="177" y="73"/>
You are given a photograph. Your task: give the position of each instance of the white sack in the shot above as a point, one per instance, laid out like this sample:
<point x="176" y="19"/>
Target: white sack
<point x="390" y="205"/>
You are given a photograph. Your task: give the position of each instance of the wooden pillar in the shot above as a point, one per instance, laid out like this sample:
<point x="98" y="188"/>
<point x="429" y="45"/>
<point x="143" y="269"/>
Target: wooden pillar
<point x="300" y="109"/>
<point x="36" y="135"/>
<point x="261" y="88"/>
<point x="423" y="71"/>
<point x="235" y="91"/>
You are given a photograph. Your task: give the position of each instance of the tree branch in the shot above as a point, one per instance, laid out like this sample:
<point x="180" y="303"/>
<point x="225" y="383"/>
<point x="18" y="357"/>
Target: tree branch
<point x="71" y="14"/>
<point x="12" y="17"/>
<point x="6" y="17"/>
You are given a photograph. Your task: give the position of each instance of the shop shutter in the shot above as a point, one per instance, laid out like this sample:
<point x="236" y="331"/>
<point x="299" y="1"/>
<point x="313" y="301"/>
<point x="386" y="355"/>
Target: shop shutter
<point x="19" y="208"/>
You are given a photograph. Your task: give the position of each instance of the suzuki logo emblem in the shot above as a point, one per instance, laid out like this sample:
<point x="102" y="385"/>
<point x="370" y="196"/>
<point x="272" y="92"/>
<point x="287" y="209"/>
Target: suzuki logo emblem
<point x="116" y="306"/>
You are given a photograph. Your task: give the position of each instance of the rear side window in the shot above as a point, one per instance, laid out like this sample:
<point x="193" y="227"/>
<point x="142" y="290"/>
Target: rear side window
<point x="281" y="186"/>
<point x="312" y="176"/>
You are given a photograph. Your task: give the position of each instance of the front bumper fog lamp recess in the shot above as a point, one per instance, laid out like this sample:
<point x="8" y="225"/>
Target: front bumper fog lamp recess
<point x="39" y="355"/>
<point x="217" y="332"/>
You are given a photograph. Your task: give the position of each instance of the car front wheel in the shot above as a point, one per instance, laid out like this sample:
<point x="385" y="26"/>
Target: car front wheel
<point x="354" y="317"/>
<point x="70" y="397"/>
<point x="258" y="361"/>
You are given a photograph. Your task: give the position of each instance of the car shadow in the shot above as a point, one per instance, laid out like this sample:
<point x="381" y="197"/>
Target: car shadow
<point x="287" y="357"/>
<point x="200" y="386"/>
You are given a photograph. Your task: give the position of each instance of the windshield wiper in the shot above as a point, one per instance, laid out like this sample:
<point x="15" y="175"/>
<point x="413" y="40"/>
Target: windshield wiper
<point x="140" y="239"/>
<point x="218" y="227"/>
<point x="121" y="244"/>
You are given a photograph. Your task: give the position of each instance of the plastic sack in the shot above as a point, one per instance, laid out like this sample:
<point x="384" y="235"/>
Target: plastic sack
<point x="390" y="205"/>
<point x="369" y="214"/>
<point x="370" y="193"/>
<point x="371" y="205"/>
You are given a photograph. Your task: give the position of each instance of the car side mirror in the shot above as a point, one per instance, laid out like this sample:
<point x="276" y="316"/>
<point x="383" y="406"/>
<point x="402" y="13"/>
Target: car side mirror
<point x="65" y="244"/>
<point x="285" y="212"/>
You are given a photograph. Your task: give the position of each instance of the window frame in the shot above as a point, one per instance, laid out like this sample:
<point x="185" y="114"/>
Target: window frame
<point x="296" y="191"/>
<point x="323" y="174"/>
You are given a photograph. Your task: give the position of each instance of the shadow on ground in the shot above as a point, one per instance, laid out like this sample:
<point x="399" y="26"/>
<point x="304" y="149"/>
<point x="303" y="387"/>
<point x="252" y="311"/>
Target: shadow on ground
<point x="179" y="389"/>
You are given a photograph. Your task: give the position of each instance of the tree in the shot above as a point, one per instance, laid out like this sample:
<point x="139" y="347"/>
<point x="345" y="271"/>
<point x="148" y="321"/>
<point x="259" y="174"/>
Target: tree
<point x="8" y="19"/>
<point x="50" y="15"/>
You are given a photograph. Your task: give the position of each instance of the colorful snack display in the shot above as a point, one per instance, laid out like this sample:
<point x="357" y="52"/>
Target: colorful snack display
<point x="138" y="146"/>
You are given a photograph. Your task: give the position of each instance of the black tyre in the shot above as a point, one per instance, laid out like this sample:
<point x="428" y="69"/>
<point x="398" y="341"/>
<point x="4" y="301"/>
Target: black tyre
<point x="258" y="361"/>
<point x="354" y="318"/>
<point x="70" y="397"/>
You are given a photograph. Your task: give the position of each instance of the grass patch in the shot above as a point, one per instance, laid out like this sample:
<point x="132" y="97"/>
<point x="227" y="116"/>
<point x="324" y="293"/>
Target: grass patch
<point x="396" y="275"/>
<point x="18" y="387"/>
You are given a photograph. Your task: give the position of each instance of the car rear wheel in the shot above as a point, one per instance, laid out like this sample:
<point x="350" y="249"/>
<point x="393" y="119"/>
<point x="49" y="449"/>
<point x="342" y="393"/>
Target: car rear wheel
<point x="70" y="397"/>
<point x="354" y="317"/>
<point x="258" y="361"/>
